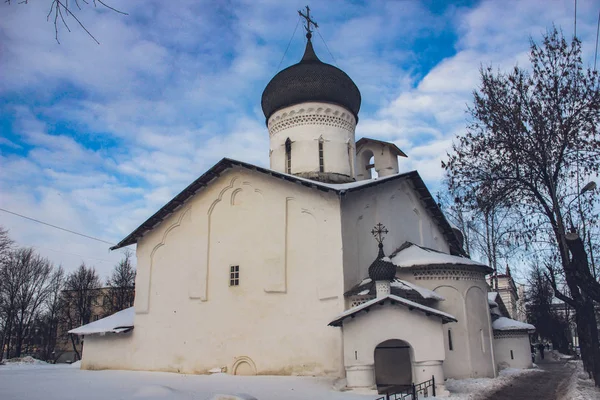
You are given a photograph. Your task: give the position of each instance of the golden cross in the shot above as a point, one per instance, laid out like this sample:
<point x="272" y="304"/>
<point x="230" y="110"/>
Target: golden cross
<point x="308" y="22"/>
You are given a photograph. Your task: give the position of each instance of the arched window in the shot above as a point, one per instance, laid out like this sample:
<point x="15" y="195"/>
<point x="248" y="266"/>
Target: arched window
<point x="321" y="161"/>
<point x="288" y="156"/>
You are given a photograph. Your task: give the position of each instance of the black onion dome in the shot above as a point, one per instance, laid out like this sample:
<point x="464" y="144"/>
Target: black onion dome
<point x="310" y="80"/>
<point x="381" y="270"/>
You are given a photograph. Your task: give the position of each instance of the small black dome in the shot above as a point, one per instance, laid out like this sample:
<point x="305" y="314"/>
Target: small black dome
<point x="381" y="270"/>
<point x="310" y="80"/>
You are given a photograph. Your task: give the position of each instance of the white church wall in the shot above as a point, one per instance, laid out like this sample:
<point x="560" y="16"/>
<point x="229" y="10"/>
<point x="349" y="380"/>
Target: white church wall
<point x="465" y="293"/>
<point x="396" y="205"/>
<point x="305" y="124"/>
<point x="512" y="349"/>
<point x="286" y="240"/>
<point x="108" y="351"/>
<point x="385" y="161"/>
<point x="365" y="332"/>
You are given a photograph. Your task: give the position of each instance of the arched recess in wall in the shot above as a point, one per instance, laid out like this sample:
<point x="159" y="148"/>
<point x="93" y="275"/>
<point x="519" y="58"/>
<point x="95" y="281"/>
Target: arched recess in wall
<point x="393" y="364"/>
<point x="240" y="206"/>
<point x="364" y="159"/>
<point x="243" y="366"/>
<point x="477" y="311"/>
<point x="143" y="304"/>
<point x="454" y="304"/>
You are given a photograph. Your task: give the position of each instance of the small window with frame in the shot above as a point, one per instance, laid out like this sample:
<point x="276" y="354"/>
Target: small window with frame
<point x="234" y="275"/>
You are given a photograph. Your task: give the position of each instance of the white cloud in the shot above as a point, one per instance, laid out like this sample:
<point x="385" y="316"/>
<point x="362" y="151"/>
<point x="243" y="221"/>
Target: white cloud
<point x="105" y="134"/>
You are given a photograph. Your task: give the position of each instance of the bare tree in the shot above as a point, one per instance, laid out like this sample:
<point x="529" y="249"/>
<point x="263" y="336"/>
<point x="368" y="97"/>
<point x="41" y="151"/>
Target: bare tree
<point x="24" y="276"/>
<point x="9" y="288"/>
<point x="533" y="140"/>
<point x="50" y="318"/>
<point x="6" y="242"/>
<point x="6" y="298"/>
<point x="541" y="312"/>
<point x="61" y="10"/>
<point x="79" y="297"/>
<point x="487" y="229"/>
<point x="33" y="272"/>
<point x="121" y="285"/>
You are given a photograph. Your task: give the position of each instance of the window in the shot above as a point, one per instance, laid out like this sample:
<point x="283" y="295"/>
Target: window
<point x="321" y="162"/>
<point x="482" y="341"/>
<point x="512" y="357"/>
<point x="288" y="156"/>
<point x="234" y="275"/>
<point x="450" y="347"/>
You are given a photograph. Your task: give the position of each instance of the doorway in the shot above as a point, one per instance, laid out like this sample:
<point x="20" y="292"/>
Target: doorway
<point x="393" y="367"/>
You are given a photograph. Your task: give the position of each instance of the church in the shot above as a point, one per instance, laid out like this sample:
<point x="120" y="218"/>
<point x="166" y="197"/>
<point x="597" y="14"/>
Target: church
<point x="309" y="267"/>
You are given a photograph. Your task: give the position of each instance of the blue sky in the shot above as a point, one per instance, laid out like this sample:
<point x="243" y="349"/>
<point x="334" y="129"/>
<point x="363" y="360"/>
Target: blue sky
<point x="96" y="138"/>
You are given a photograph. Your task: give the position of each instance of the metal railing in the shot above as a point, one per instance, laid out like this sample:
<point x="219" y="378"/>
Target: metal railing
<point x="413" y="392"/>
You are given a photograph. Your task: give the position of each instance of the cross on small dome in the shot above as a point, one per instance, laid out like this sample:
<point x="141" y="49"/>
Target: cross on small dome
<point x="380" y="269"/>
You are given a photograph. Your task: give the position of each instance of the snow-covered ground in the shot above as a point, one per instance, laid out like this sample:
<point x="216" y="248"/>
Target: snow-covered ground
<point x="38" y="380"/>
<point x="65" y="382"/>
<point x="479" y="387"/>
<point x="581" y="387"/>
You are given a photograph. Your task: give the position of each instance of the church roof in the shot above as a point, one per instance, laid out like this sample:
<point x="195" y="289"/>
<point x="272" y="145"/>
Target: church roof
<point x="310" y="80"/>
<point x="393" y="300"/>
<point x="492" y="299"/>
<point x="507" y="324"/>
<point x="412" y="255"/>
<point x="395" y="149"/>
<point x="500" y="308"/>
<point x="341" y="189"/>
<point x="118" y="322"/>
<point x="398" y="287"/>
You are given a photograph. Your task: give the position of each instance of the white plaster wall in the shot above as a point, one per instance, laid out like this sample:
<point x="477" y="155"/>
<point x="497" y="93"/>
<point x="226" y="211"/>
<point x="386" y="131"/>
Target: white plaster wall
<point x="304" y="124"/>
<point x="396" y="205"/>
<point x="386" y="162"/>
<point x="113" y="351"/>
<point x="521" y="350"/>
<point x="466" y="299"/>
<point x="424" y="334"/>
<point x="286" y="239"/>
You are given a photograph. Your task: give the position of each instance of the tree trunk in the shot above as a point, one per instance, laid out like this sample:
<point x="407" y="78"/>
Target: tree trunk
<point x="579" y="268"/>
<point x="75" y="346"/>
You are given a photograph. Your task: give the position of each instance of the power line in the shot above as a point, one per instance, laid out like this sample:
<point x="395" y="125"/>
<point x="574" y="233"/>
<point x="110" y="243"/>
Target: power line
<point x="327" y="47"/>
<point x="575" y="21"/>
<point x="288" y="45"/>
<point x="56" y="227"/>
<point x="597" y="32"/>
<point x="74" y="254"/>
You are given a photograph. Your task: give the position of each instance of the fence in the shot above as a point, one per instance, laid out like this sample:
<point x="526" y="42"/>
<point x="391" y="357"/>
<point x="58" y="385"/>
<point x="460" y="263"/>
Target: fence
<point x="413" y="392"/>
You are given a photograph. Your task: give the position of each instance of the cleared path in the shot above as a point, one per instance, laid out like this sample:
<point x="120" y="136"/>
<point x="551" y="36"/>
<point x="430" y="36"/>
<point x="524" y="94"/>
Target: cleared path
<point x="549" y="384"/>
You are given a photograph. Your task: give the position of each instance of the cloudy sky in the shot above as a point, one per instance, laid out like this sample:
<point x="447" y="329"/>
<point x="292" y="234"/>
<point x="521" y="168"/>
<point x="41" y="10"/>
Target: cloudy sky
<point x="95" y="138"/>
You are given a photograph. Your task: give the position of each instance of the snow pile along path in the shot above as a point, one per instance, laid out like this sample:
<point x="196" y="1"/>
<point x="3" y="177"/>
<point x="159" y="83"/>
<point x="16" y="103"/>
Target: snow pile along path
<point x="475" y="388"/>
<point x="560" y="356"/>
<point x="23" y="361"/>
<point x="581" y="386"/>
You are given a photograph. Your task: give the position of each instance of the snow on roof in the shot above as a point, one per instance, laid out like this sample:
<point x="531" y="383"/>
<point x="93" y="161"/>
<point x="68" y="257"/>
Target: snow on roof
<point x="507" y="324"/>
<point x="413" y="255"/>
<point x="425" y="293"/>
<point x="392" y="299"/>
<point x="367" y="286"/>
<point x="119" y="322"/>
<point x="492" y="299"/>
<point x="226" y="163"/>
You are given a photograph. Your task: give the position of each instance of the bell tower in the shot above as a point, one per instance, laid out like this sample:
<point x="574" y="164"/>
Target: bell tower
<point x="311" y="110"/>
